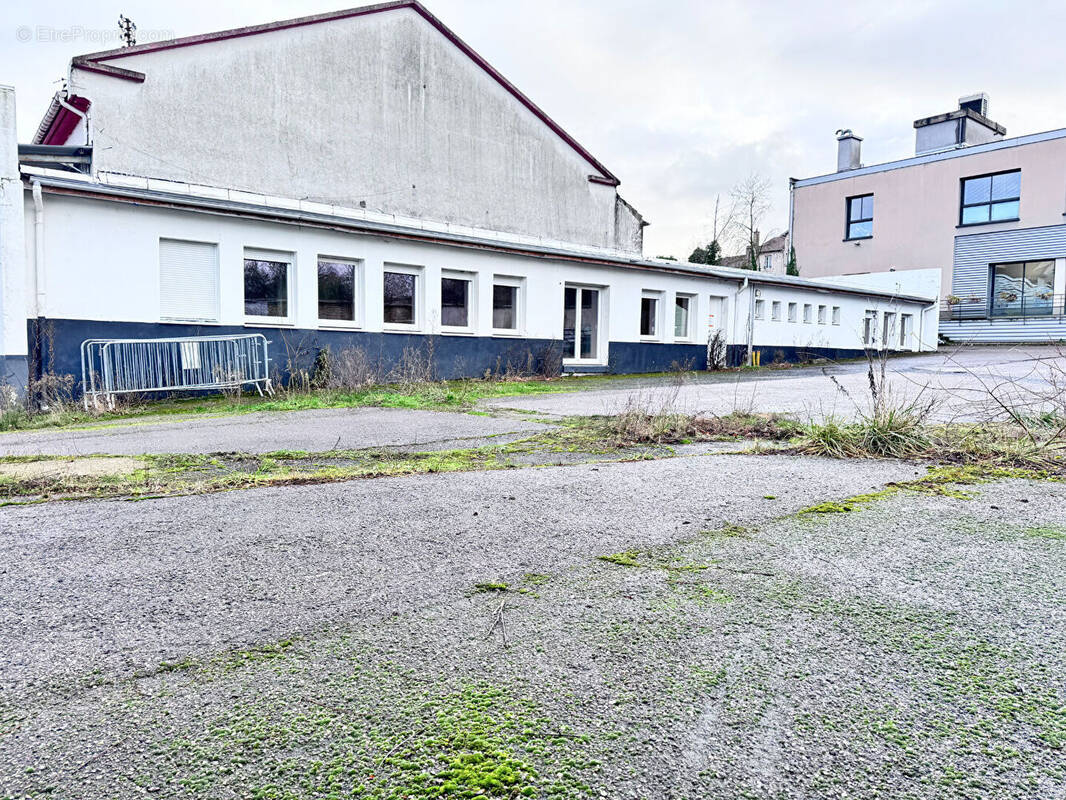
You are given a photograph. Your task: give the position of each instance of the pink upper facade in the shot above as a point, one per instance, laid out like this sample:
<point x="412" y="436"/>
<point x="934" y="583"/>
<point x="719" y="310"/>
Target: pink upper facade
<point x="917" y="206"/>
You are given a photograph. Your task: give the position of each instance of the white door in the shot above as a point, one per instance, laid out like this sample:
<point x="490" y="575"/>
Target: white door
<point x="581" y="325"/>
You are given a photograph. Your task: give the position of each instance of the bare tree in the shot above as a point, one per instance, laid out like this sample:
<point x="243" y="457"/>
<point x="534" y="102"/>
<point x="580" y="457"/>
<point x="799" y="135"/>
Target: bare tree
<point x="751" y="201"/>
<point x="721" y="224"/>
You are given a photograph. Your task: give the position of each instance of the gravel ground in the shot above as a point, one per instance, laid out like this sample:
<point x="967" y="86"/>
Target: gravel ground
<point x="315" y="431"/>
<point x="914" y="649"/>
<point x="952" y="377"/>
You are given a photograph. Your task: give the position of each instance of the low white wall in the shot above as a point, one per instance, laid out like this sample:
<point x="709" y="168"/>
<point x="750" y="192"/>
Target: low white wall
<point x="103" y="264"/>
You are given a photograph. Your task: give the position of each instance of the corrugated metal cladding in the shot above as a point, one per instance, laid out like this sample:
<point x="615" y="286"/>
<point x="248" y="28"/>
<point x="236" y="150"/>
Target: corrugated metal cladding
<point x="1033" y="329"/>
<point x="976" y="251"/>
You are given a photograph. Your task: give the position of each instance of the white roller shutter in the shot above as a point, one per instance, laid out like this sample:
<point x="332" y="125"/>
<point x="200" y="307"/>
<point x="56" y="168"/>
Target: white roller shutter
<point x="188" y="281"/>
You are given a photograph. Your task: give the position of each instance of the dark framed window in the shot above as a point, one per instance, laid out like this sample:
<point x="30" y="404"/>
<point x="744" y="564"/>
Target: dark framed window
<point x="1023" y="289"/>
<point x="859" y="217"/>
<point x="336" y="290"/>
<point x="990" y="198"/>
<point x="504" y="307"/>
<point x="266" y="288"/>
<point x="455" y="302"/>
<point x="649" y="316"/>
<point x="400" y="298"/>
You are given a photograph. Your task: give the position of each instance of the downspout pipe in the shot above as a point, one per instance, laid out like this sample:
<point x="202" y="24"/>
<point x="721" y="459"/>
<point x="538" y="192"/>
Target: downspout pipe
<point x="84" y="117"/>
<point x="39" y="279"/>
<point x="748" y="327"/>
<point x="791" y="218"/>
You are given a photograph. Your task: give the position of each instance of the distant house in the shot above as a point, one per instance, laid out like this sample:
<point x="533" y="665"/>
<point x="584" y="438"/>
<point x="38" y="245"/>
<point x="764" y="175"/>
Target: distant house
<point x="773" y="256"/>
<point x="984" y="209"/>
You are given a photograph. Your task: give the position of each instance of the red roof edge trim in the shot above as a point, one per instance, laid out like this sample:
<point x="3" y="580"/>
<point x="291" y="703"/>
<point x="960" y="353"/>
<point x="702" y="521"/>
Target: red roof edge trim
<point x="65" y="121"/>
<point x="107" y="69"/>
<point x="92" y="62"/>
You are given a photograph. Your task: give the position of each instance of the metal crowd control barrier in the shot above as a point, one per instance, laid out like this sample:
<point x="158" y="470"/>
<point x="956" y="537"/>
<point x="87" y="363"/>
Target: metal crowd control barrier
<point x="111" y="367"/>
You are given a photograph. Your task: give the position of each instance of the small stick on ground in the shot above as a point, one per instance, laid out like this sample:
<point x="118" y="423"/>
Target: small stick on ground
<point x="497" y="622"/>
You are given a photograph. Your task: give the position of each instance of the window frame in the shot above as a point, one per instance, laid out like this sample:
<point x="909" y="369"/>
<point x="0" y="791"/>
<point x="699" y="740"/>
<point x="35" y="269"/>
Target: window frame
<point x="834" y="315"/>
<point x="775" y="310"/>
<point x="419" y="305"/>
<point x="286" y="257"/>
<point x="599" y="358"/>
<point x="889" y="330"/>
<point x="963" y="205"/>
<point x="357" y="290"/>
<point x="906" y="330"/>
<point x="690" y="327"/>
<point x="471" y="301"/>
<point x="808" y="313"/>
<point x="848" y="221"/>
<point x="657" y="334"/>
<point x="823" y="314"/>
<point x="793" y="311"/>
<point x="519" y="285"/>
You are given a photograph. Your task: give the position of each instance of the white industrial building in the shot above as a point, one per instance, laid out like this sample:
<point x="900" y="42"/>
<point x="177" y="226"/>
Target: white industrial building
<point x="364" y="178"/>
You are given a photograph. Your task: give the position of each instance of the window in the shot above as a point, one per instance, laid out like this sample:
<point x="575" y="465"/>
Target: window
<point x="860" y="217"/>
<point x="336" y="290"/>
<point x="760" y="309"/>
<point x="400" y="295"/>
<point x="906" y="328"/>
<point x="869" y="328"/>
<point x="808" y="311"/>
<point x="836" y="315"/>
<point x="581" y="323"/>
<point x="456" y="299"/>
<point x="792" y="310"/>
<point x="821" y="315"/>
<point x="188" y="281"/>
<point x="991" y="198"/>
<point x="266" y="284"/>
<point x="649" y="315"/>
<point x="889" y="336"/>
<point x="767" y="262"/>
<point x="683" y="316"/>
<point x="775" y="310"/>
<point x="505" y="299"/>
<point x="1023" y="289"/>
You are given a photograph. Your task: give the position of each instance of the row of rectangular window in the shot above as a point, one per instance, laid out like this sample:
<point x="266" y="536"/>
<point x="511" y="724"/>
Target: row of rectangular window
<point x="793" y="312"/>
<point x="266" y="293"/>
<point x="189" y="285"/>
<point x="983" y="199"/>
<point x="649" y="315"/>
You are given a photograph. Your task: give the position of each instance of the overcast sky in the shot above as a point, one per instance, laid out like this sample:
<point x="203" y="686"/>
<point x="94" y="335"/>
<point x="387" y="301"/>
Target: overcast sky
<point x="679" y="99"/>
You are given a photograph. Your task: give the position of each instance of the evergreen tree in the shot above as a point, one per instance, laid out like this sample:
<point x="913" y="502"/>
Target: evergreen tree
<point x="792" y="268"/>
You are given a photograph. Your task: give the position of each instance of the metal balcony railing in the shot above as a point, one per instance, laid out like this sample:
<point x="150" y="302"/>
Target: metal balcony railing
<point x="1032" y="306"/>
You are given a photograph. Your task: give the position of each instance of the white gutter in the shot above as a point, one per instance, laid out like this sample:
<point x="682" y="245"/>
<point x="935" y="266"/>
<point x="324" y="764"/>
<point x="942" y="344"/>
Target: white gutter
<point x="38" y="250"/>
<point x="749" y="326"/>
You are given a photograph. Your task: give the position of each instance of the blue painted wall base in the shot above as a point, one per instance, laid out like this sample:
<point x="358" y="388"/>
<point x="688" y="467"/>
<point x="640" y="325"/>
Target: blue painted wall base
<point x="55" y="346"/>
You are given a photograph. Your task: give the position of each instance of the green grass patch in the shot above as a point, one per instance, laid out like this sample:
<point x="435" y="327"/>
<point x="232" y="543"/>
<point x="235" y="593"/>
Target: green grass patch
<point x="626" y="559"/>
<point x="480" y="588"/>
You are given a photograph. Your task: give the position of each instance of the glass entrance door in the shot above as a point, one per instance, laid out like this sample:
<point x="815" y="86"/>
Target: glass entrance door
<point x="581" y="323"/>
